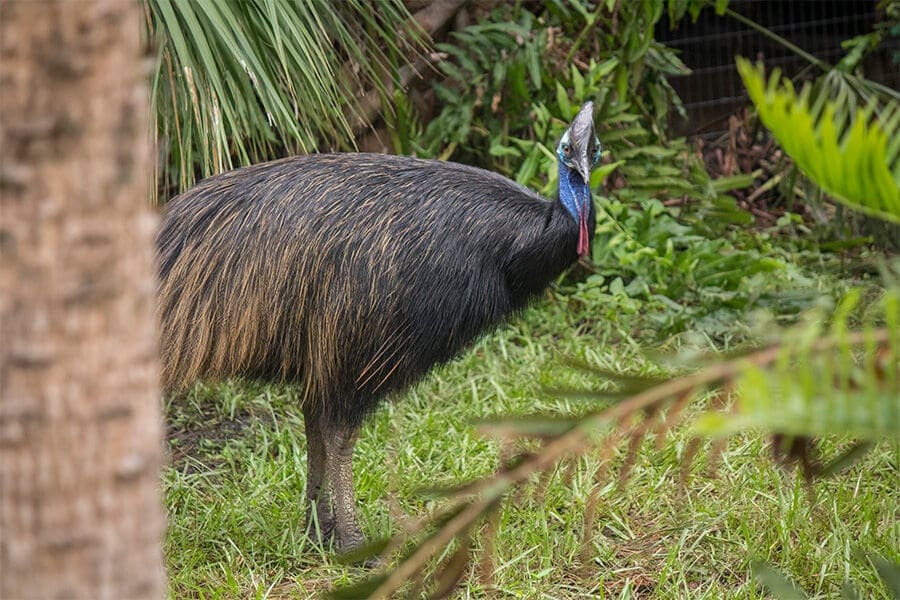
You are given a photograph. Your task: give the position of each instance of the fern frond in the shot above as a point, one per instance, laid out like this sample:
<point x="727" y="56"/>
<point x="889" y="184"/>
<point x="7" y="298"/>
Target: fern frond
<point x="853" y="156"/>
<point x="852" y="388"/>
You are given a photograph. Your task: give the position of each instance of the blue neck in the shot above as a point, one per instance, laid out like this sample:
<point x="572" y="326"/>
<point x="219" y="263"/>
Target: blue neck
<point x="574" y="193"/>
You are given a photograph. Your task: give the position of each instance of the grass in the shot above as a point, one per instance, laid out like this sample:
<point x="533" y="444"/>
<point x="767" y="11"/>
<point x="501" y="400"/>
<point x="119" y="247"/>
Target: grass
<point x="235" y="490"/>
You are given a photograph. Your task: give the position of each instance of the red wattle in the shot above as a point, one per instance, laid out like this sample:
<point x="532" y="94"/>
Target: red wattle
<point x="583" y="242"/>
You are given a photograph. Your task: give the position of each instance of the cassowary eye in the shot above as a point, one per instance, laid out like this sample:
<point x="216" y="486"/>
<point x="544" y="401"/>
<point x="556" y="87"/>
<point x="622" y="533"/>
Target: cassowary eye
<point x="567" y="150"/>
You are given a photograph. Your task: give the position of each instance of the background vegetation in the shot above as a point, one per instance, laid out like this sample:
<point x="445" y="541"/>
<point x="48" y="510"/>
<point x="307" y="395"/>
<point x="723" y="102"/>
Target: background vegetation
<point x="680" y="268"/>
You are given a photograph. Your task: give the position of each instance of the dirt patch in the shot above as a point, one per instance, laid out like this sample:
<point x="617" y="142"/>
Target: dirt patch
<point x="204" y="432"/>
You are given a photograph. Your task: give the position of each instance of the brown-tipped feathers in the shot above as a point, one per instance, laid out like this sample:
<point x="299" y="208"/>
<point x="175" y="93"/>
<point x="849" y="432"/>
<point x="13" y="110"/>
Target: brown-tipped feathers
<point x="349" y="274"/>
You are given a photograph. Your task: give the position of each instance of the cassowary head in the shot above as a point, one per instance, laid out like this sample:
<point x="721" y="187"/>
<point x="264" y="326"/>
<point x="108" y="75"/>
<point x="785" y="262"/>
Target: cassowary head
<point x="578" y="152"/>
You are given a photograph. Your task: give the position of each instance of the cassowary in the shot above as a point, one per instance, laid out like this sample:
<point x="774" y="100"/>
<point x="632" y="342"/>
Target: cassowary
<point x="352" y="275"/>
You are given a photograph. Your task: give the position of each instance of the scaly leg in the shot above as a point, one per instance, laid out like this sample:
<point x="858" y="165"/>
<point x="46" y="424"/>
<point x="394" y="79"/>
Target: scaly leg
<point x="321" y="527"/>
<point x="339" y="443"/>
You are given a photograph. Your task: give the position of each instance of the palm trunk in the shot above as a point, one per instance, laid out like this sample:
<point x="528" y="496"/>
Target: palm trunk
<point x="80" y="427"/>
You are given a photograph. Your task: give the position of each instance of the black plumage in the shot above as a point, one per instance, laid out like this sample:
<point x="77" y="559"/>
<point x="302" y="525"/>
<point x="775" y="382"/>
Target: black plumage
<point x="352" y="275"/>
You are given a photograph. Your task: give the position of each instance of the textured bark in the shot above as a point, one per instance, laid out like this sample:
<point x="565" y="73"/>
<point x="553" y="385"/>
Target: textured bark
<point x="80" y="428"/>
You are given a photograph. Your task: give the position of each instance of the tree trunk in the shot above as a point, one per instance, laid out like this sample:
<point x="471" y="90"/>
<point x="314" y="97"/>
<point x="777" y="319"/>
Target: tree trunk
<point x="80" y="427"/>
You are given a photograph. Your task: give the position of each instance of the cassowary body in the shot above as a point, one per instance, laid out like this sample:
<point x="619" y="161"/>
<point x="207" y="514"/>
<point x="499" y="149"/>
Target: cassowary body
<point x="352" y="275"/>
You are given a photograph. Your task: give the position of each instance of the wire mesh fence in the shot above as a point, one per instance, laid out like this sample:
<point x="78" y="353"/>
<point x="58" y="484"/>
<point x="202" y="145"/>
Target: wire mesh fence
<point x="714" y="90"/>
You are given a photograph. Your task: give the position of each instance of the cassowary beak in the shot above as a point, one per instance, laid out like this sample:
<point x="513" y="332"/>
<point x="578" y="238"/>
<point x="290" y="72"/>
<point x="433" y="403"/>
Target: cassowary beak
<point x="584" y="169"/>
<point x="581" y="133"/>
<point x="582" y="193"/>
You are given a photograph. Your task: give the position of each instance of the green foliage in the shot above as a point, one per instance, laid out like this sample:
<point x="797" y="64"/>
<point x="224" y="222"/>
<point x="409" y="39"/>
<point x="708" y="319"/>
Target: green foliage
<point x="242" y="82"/>
<point x="678" y="8"/>
<point x="855" y="158"/>
<point x="777" y="583"/>
<point x="807" y="392"/>
<point x="679" y="276"/>
<point x="512" y="84"/>
<point x="781" y="586"/>
<point x="652" y="408"/>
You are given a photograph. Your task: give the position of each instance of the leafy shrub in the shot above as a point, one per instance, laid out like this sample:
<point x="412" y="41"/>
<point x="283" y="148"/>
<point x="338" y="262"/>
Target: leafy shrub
<point x="513" y="82"/>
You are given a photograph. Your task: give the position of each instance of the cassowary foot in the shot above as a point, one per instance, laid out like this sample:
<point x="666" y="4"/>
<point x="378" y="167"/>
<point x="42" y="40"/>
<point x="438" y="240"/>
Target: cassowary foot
<point x="319" y="528"/>
<point x="339" y="441"/>
<point x="347" y="542"/>
<point x="348" y="539"/>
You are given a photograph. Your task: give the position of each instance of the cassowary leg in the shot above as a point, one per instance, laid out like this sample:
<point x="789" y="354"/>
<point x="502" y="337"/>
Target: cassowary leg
<point x="339" y="443"/>
<point x="321" y="523"/>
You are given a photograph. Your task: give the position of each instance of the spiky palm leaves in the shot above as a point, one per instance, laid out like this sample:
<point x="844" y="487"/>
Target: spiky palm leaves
<point x="241" y="82"/>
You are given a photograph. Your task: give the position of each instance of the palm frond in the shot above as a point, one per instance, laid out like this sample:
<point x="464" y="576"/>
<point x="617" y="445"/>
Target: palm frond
<point x="238" y="82"/>
<point x="853" y="155"/>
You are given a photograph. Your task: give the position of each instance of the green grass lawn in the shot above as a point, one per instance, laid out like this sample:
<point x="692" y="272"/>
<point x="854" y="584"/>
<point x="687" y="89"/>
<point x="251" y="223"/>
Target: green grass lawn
<point x="235" y="489"/>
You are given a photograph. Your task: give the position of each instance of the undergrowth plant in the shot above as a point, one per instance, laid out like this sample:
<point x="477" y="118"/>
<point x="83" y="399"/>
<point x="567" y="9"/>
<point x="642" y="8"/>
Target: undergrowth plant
<point x="853" y="155"/>
<point x="511" y="84"/>
<point x="841" y="382"/>
<point x="784" y="588"/>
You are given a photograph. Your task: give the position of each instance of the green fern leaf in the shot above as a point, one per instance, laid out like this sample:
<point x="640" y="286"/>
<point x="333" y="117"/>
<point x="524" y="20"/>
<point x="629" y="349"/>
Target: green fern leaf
<point x="853" y="157"/>
<point x="850" y="386"/>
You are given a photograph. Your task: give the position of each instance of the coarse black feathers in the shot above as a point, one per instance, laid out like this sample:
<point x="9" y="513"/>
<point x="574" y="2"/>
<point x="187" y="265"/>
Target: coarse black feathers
<point x="351" y="274"/>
